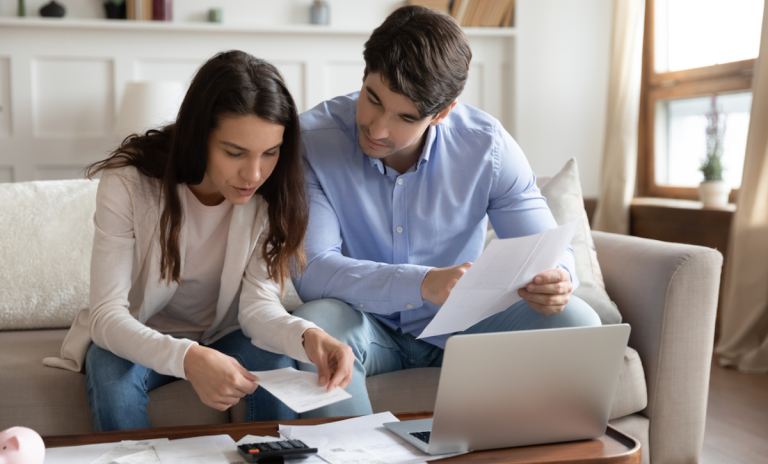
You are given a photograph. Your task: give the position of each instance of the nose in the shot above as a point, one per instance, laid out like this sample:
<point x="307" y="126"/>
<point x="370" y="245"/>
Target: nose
<point x="251" y="171"/>
<point x="378" y="128"/>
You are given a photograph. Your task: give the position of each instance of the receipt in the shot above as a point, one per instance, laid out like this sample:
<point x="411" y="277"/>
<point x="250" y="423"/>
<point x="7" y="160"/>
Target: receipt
<point x="299" y="390"/>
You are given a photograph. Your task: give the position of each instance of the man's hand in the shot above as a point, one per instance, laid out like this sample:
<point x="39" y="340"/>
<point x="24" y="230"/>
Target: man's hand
<point x="219" y="380"/>
<point x="549" y="292"/>
<point x="439" y="282"/>
<point x="333" y="359"/>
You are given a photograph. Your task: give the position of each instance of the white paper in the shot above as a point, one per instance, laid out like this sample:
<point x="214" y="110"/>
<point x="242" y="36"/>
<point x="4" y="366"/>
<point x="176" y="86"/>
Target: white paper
<point x="490" y="286"/>
<point x="76" y="454"/>
<point x="299" y="390"/>
<point x="128" y="448"/>
<point x="349" y="456"/>
<point x="199" y="451"/>
<point x="248" y="439"/>
<point x="365" y="432"/>
<point x="142" y="457"/>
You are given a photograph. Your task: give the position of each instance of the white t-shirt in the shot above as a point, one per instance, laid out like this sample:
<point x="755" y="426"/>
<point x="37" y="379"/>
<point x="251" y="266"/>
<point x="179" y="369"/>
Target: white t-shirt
<point x="192" y="309"/>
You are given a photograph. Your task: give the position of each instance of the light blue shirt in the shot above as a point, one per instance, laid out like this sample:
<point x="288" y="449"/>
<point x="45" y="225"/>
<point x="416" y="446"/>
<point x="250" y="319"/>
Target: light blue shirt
<point x="374" y="233"/>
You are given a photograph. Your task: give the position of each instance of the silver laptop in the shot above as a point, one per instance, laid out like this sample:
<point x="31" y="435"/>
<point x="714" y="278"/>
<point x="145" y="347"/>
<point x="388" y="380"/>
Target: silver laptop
<point x="507" y="389"/>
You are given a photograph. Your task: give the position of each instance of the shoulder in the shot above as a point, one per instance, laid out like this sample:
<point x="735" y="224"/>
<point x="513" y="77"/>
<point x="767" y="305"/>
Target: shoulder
<point x="335" y="114"/>
<point x="468" y="120"/>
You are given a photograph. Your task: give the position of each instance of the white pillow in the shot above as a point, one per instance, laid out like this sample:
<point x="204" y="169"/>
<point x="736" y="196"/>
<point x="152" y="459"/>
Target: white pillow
<point x="563" y="194"/>
<point x="46" y="237"/>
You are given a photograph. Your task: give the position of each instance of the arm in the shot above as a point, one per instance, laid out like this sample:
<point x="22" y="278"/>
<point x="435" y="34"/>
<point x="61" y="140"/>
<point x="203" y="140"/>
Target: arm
<point x="112" y="327"/>
<point x="380" y="288"/>
<point x="270" y="327"/>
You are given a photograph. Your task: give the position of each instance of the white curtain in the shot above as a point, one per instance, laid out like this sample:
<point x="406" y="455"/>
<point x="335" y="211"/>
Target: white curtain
<point x="744" y="319"/>
<point x="617" y="174"/>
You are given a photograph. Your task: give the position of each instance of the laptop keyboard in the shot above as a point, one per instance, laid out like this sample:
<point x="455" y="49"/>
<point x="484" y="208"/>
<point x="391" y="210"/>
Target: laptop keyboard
<point x="423" y="436"/>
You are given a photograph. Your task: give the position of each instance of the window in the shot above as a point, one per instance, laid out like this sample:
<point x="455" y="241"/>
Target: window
<point x="696" y="53"/>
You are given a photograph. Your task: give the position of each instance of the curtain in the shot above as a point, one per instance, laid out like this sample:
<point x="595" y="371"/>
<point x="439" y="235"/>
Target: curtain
<point x="617" y="173"/>
<point x="744" y="319"/>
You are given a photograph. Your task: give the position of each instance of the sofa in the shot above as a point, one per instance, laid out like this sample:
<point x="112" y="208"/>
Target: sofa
<point x="666" y="292"/>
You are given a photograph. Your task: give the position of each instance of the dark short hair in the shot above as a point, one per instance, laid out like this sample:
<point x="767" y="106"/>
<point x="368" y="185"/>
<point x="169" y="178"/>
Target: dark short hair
<point x="423" y="54"/>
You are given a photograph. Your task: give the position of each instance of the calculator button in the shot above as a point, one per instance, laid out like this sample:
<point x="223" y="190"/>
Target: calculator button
<point x="297" y="444"/>
<point x="272" y="445"/>
<point x="284" y="445"/>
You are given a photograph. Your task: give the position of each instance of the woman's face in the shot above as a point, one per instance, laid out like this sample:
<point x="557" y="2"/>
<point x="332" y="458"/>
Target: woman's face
<point x="242" y="153"/>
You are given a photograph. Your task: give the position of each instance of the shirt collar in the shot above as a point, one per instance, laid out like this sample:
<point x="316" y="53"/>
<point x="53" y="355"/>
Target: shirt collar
<point x="423" y="158"/>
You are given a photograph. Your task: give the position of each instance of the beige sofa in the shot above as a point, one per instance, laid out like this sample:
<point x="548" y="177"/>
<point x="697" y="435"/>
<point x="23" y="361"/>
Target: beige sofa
<point x="666" y="292"/>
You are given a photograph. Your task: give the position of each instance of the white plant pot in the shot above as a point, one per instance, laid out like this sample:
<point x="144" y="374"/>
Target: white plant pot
<point x="714" y="193"/>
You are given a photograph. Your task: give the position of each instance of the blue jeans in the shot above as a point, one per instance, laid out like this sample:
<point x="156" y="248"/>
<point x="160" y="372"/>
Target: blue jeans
<point x="379" y="349"/>
<point x="117" y="388"/>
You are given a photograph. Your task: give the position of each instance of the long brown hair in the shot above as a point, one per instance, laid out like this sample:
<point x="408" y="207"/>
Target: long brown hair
<point x="232" y="82"/>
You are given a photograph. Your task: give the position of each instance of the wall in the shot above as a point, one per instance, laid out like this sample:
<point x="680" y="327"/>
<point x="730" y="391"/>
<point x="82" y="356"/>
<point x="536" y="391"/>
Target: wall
<point x="357" y="13"/>
<point x="561" y="78"/>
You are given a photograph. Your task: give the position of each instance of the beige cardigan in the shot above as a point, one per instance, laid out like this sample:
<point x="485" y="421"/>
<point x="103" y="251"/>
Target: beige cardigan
<point x="126" y="290"/>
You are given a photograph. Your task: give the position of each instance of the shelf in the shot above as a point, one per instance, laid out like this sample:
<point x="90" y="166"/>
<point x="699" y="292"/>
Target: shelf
<point x="299" y="29"/>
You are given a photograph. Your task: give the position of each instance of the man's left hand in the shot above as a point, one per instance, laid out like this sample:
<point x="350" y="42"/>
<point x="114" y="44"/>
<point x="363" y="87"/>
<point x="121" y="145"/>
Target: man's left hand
<point x="549" y="292"/>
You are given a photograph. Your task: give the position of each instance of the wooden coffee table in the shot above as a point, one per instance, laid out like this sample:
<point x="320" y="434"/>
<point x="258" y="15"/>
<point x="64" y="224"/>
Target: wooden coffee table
<point x="614" y="447"/>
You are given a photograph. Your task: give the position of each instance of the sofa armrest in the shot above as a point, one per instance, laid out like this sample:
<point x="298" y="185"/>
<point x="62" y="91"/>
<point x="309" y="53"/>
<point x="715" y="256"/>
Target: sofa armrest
<point x="668" y="293"/>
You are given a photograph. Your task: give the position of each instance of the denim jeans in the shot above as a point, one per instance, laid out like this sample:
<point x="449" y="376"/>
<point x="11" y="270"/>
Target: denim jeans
<point x="117" y="388"/>
<point x="379" y="349"/>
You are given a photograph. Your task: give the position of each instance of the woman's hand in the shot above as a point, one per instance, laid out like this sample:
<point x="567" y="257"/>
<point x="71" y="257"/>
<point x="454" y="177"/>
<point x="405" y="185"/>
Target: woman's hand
<point x="219" y="380"/>
<point x="333" y="359"/>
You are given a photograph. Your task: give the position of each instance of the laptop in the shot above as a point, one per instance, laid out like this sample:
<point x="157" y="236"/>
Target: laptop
<point x="507" y="389"/>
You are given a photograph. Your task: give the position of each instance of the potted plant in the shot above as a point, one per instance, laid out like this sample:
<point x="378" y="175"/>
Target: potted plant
<point x="713" y="191"/>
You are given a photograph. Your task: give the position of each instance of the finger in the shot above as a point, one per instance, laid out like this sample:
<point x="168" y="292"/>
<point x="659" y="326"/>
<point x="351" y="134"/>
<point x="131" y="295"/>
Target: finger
<point x="244" y="382"/>
<point x="543" y="299"/>
<point x="559" y="288"/>
<point x="549" y="277"/>
<point x="546" y="310"/>
<point x="323" y="372"/>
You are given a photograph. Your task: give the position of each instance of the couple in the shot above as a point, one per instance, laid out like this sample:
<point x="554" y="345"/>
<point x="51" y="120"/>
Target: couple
<point x="200" y="223"/>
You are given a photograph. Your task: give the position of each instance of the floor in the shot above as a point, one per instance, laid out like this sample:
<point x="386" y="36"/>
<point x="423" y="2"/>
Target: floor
<point x="737" y="418"/>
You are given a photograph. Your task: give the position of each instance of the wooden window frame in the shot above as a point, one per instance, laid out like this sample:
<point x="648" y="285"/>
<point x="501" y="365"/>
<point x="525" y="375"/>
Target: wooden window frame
<point x="727" y="77"/>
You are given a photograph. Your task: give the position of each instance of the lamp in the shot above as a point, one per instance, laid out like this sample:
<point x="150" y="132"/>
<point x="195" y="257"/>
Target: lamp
<point x="148" y="105"/>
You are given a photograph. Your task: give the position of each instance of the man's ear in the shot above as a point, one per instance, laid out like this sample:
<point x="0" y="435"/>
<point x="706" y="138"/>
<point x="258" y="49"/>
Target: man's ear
<point x="442" y="115"/>
<point x="365" y="73"/>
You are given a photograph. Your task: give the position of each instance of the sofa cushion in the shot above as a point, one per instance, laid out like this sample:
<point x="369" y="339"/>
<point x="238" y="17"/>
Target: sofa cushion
<point x="387" y="393"/>
<point x="47" y="236"/>
<point x="55" y="401"/>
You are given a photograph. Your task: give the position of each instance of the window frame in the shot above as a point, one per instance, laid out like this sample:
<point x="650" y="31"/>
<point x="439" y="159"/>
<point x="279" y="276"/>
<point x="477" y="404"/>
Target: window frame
<point x="697" y="82"/>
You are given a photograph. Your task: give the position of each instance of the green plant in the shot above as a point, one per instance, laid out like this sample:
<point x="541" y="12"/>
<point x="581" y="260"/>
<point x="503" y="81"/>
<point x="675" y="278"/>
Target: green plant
<point x="712" y="164"/>
<point x="117" y="2"/>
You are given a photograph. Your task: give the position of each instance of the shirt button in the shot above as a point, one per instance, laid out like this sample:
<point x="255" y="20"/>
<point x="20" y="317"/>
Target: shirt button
<point x="399" y="230"/>
<point x="399" y="181"/>
<point x="362" y="305"/>
<point x="409" y="306"/>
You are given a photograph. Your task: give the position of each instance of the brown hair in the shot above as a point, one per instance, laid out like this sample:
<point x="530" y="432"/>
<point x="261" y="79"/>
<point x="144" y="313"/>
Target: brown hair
<point x="423" y="54"/>
<point x="232" y="82"/>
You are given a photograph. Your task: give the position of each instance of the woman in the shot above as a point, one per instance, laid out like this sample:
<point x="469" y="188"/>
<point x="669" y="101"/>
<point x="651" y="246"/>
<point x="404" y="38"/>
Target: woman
<point x="196" y="228"/>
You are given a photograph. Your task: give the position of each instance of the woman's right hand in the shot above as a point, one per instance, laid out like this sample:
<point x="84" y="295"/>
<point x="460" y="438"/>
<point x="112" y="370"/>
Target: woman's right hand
<point x="219" y="380"/>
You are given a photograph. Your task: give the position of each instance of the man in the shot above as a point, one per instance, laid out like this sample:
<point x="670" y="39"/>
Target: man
<point x="403" y="180"/>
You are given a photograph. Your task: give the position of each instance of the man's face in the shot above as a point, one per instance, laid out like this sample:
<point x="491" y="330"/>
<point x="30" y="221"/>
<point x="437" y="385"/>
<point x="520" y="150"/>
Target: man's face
<point x="388" y="123"/>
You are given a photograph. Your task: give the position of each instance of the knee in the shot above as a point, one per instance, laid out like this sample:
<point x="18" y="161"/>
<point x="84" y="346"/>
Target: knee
<point x="335" y="317"/>
<point x="577" y="313"/>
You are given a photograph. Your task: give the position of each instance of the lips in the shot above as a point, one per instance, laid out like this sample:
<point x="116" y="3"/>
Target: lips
<point x="374" y="145"/>
<point x="245" y="192"/>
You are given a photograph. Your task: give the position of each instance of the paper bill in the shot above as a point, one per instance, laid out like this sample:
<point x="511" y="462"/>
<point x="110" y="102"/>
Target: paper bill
<point x="299" y="390"/>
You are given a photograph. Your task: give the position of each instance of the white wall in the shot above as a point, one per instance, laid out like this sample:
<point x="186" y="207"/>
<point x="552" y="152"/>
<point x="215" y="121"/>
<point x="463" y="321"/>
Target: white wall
<point x="561" y="79"/>
<point x="357" y="13"/>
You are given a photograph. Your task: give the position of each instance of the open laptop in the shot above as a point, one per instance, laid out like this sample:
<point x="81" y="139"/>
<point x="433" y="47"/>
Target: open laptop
<point x="507" y="389"/>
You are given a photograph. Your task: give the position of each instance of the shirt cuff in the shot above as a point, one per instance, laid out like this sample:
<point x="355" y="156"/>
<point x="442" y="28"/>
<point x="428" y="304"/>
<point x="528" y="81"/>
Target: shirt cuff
<point x="406" y="287"/>
<point x="180" y="354"/>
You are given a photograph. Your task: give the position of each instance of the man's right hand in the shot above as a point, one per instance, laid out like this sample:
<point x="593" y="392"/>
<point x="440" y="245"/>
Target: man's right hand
<point x="439" y="282"/>
<point x="219" y="380"/>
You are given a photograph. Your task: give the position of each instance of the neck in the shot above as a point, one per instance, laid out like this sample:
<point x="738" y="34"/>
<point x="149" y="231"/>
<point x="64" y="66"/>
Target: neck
<point x="404" y="159"/>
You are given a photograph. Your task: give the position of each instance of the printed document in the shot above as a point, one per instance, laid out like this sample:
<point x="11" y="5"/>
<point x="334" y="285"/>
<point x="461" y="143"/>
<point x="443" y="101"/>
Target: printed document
<point x="299" y="390"/>
<point x="490" y="286"/>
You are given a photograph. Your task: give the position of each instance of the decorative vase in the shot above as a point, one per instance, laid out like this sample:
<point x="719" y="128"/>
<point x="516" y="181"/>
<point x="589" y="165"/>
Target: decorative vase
<point x="714" y="193"/>
<point x="319" y="12"/>
<point x="114" y="11"/>
<point x="22" y="9"/>
<point x="52" y="10"/>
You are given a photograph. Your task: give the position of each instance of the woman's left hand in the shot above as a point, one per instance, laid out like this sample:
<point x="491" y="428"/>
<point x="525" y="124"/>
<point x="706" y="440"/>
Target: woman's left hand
<point x="333" y="359"/>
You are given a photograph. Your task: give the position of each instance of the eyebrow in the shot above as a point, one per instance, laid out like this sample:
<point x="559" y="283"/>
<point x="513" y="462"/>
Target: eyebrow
<point x="245" y="149"/>
<point x="403" y="115"/>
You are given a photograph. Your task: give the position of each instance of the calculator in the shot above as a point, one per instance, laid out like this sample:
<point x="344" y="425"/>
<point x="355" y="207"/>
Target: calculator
<point x="275" y="451"/>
